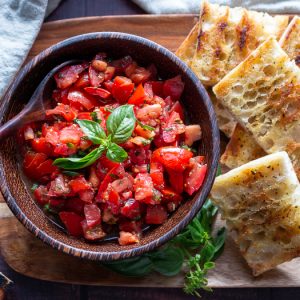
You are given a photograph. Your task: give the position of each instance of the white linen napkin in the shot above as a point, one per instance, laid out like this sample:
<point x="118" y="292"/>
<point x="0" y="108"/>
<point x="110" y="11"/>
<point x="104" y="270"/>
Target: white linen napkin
<point x="192" y="6"/>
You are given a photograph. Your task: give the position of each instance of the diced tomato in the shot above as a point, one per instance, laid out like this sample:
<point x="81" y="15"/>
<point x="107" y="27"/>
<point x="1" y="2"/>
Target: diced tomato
<point x="64" y="150"/>
<point x="157" y="87"/>
<point x="139" y="156"/>
<point x="131" y="209"/>
<point x="122" y="89"/>
<point x="109" y="73"/>
<point x="131" y="226"/>
<point x="169" y="195"/>
<point x="87" y="195"/>
<point x="79" y="184"/>
<point x="96" y="77"/>
<point x="139" y="96"/>
<point x="72" y="221"/>
<point x="51" y="135"/>
<point x="156" y="214"/>
<point x="68" y="75"/>
<point x="113" y="174"/>
<point x="108" y="85"/>
<point x="71" y="134"/>
<point x="144" y="132"/>
<point x="92" y="234"/>
<point x="195" y="177"/>
<point x="157" y="175"/>
<point x="84" y="99"/>
<point x="92" y="215"/>
<point x="59" y="187"/>
<point x="61" y="96"/>
<point x="75" y="205"/>
<point x="41" y="145"/>
<point x="83" y="80"/>
<point x="173" y="158"/>
<point x="143" y="187"/>
<point x="31" y="162"/>
<point x="127" y="238"/>
<point x="173" y="87"/>
<point x="176" y="180"/>
<point x="173" y="127"/>
<point x="192" y="134"/>
<point x="177" y="108"/>
<point x="84" y="116"/>
<point x="139" y="75"/>
<point x="46" y="168"/>
<point x="41" y="195"/>
<point x="149" y="112"/>
<point x="96" y="91"/>
<point x="68" y="113"/>
<point x="123" y="184"/>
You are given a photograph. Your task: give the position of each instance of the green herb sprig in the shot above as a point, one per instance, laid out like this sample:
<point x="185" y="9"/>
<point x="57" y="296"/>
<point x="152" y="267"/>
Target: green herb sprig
<point x="193" y="250"/>
<point x="120" y="125"/>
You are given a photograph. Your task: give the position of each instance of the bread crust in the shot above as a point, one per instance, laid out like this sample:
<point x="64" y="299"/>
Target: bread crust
<point x="227" y="36"/>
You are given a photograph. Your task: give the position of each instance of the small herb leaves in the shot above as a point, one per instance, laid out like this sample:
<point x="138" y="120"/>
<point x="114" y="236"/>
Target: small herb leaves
<point x="120" y="123"/>
<point x="93" y="130"/>
<point x="74" y="163"/>
<point x="116" y="153"/>
<point x="144" y="126"/>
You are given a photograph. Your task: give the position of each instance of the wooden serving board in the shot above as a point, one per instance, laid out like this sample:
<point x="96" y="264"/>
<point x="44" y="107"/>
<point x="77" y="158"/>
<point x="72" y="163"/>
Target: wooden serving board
<point x="29" y="256"/>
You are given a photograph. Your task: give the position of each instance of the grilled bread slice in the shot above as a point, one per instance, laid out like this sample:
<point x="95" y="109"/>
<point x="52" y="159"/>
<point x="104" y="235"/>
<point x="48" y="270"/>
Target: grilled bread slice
<point x="226" y="121"/>
<point x="241" y="149"/>
<point x="263" y="93"/>
<point x="187" y="49"/>
<point x="260" y="202"/>
<point x="290" y="40"/>
<point x="227" y="36"/>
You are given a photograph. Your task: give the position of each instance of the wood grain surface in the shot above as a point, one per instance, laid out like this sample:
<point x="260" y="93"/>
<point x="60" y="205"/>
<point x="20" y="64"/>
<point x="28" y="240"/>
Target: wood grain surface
<point x="29" y="256"/>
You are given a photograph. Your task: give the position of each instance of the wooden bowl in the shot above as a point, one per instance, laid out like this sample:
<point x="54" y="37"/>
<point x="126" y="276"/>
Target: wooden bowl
<point x="196" y="103"/>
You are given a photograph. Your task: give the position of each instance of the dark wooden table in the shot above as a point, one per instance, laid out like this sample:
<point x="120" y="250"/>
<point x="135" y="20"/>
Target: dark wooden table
<point x="26" y="288"/>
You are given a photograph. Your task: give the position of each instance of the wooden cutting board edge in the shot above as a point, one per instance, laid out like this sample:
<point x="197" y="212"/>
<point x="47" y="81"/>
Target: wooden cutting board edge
<point x="25" y="254"/>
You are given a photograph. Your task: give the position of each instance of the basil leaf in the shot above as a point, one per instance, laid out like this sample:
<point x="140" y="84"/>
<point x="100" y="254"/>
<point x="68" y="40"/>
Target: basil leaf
<point x="116" y="153"/>
<point x="73" y="163"/>
<point x="133" y="267"/>
<point x="120" y="123"/>
<point x="93" y="130"/>
<point x="167" y="261"/>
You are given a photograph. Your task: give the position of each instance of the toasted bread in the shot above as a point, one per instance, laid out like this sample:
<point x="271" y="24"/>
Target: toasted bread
<point x="290" y="40"/>
<point x="260" y="202"/>
<point x="226" y="121"/>
<point x="241" y="149"/>
<point x="227" y="36"/>
<point x="263" y="93"/>
<point x="187" y="49"/>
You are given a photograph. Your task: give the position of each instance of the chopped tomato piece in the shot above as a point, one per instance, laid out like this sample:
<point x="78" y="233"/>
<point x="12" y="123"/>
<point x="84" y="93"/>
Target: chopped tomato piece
<point x="84" y="116"/>
<point x="61" y="96"/>
<point x="68" y="75"/>
<point x="96" y="91"/>
<point x="143" y="187"/>
<point x="195" y="177"/>
<point x="92" y="215"/>
<point x="122" y="89"/>
<point x="92" y="234"/>
<point x="127" y="238"/>
<point x="177" y="108"/>
<point x="72" y="221"/>
<point x="173" y="87"/>
<point x="176" y="181"/>
<point x="131" y="209"/>
<point x="139" y="96"/>
<point x="83" y="80"/>
<point x="45" y="168"/>
<point x="41" y="145"/>
<point x="68" y="113"/>
<point x="75" y="205"/>
<point x="156" y="214"/>
<point x="139" y="75"/>
<point x="71" y="134"/>
<point x="144" y="132"/>
<point x="96" y="77"/>
<point x="123" y="184"/>
<point x="173" y="127"/>
<point x="157" y="175"/>
<point x="31" y="162"/>
<point x="173" y="158"/>
<point x="41" y="195"/>
<point x="149" y="112"/>
<point x="84" y="99"/>
<point x="79" y="184"/>
<point x="192" y="134"/>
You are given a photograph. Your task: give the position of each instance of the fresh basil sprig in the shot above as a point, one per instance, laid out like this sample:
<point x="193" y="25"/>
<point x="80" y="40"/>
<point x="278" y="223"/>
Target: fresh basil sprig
<point x="120" y="125"/>
<point x="194" y="247"/>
